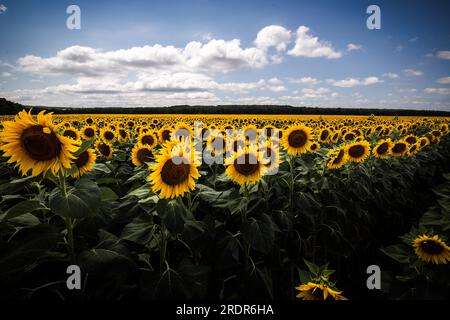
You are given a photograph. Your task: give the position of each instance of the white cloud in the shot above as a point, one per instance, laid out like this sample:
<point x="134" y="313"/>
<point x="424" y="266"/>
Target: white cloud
<point x="390" y="75"/>
<point x="3" y="8"/>
<point x="414" y="39"/>
<point x="353" y="47"/>
<point x="275" y="81"/>
<point x="443" y="80"/>
<point x="407" y="90"/>
<point x="311" y="47"/>
<point x="443" y="55"/>
<point x="353" y="82"/>
<point x="277" y="88"/>
<point x="273" y="36"/>
<point x="304" y="80"/>
<point x="443" y="91"/>
<point x="6" y="74"/>
<point x="315" y="91"/>
<point x="412" y="72"/>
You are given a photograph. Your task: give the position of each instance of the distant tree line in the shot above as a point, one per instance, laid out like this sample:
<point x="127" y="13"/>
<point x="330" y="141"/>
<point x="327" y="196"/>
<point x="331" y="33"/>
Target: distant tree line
<point x="11" y="108"/>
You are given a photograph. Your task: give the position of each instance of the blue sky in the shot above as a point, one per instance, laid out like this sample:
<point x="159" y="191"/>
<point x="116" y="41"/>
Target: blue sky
<point x="152" y="53"/>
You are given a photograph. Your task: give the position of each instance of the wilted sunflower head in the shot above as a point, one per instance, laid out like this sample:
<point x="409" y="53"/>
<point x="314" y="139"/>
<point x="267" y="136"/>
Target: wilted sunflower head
<point x="338" y="158"/>
<point x="297" y="139"/>
<point x="431" y="249"/>
<point x="318" y="291"/>
<point x="35" y="145"/>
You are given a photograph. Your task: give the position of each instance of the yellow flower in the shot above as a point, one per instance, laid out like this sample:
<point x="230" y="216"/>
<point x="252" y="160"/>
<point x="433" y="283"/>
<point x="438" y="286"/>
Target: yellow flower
<point x="141" y="154"/>
<point x="431" y="249"/>
<point x="318" y="291"/>
<point x="297" y="139"/>
<point x="84" y="162"/>
<point x="35" y="145"/>
<point x="357" y="151"/>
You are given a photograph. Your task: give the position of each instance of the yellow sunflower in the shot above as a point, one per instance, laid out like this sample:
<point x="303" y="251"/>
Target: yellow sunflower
<point x="104" y="149"/>
<point x="399" y="148"/>
<point x="338" y="158"/>
<point x="165" y="134"/>
<point x="88" y="132"/>
<point x="173" y="174"/>
<point x="71" y="132"/>
<point x="123" y="135"/>
<point x="314" y="146"/>
<point x="297" y="139"/>
<point x="107" y="135"/>
<point x="431" y="249"/>
<point x="318" y="291"/>
<point x="84" y="162"/>
<point x="149" y="139"/>
<point x="381" y="150"/>
<point x="35" y="145"/>
<point x="245" y="167"/>
<point x="141" y="154"/>
<point x="357" y="151"/>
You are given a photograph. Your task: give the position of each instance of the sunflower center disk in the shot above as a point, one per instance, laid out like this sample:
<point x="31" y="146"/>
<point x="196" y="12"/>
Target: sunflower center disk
<point x="246" y="165"/>
<point x="109" y="135"/>
<point x="144" y="155"/>
<point x="174" y="174"/>
<point x="147" y="140"/>
<point x="40" y="146"/>
<point x="82" y="160"/>
<point x="104" y="149"/>
<point x="356" y="151"/>
<point x="383" y="148"/>
<point x="89" y="132"/>
<point x="399" y="148"/>
<point x="431" y="247"/>
<point x="297" y="138"/>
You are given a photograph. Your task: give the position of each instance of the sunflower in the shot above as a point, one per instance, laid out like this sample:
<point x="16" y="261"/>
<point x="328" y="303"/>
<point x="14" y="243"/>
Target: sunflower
<point x="104" y="149"/>
<point x="35" y="145"/>
<point x="297" y="139"/>
<point x="71" y="132"/>
<point x="122" y="135"/>
<point x="411" y="139"/>
<point x="314" y="146"/>
<point x="149" y="139"/>
<point x="431" y="249"/>
<point x="107" y="135"/>
<point x="423" y="142"/>
<point x="270" y="158"/>
<point x="141" y="154"/>
<point x="84" y="162"/>
<point x="173" y="174"/>
<point x="324" y="135"/>
<point x="88" y="132"/>
<point x="413" y="149"/>
<point x="381" y="150"/>
<point x="245" y="167"/>
<point x="338" y="158"/>
<point x="318" y="291"/>
<point x="165" y="134"/>
<point x="399" y="148"/>
<point x="357" y="151"/>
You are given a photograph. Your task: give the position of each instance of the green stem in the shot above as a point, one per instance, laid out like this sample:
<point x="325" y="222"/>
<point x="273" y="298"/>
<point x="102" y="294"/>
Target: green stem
<point x="163" y="248"/>
<point x="245" y="245"/>
<point x="68" y="221"/>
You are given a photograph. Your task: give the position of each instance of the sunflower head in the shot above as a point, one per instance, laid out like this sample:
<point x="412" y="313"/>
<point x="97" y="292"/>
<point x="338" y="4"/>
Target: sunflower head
<point x="318" y="291"/>
<point x="148" y="139"/>
<point x="84" y="162"/>
<point x="104" y="149"/>
<point x="245" y="167"/>
<point x="88" y="132"/>
<point x="399" y="148"/>
<point x="381" y="150"/>
<point x="35" y="145"/>
<point x="297" y="139"/>
<point x="141" y="154"/>
<point x="338" y="158"/>
<point x="108" y="135"/>
<point x="431" y="249"/>
<point x="358" y="151"/>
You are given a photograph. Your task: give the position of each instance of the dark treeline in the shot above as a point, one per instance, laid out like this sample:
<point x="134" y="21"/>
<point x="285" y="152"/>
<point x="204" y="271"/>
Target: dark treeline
<point x="11" y="108"/>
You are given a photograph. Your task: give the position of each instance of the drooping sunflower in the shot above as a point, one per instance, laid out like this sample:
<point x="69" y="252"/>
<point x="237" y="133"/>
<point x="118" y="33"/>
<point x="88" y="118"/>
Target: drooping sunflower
<point x="149" y="139"/>
<point x="324" y="135"/>
<point x="314" y="146"/>
<point x="423" y="142"/>
<point x="381" y="150"/>
<point x="357" y="151"/>
<point x="411" y="139"/>
<point x="35" y="145"/>
<point x="338" y="158"/>
<point x="141" y="154"/>
<point x="84" y="162"/>
<point x="88" y="132"/>
<point x="122" y="135"/>
<point x="174" y="174"/>
<point x="107" y="135"/>
<point x="245" y="167"/>
<point x="318" y="291"/>
<point x="104" y="149"/>
<point x="399" y="148"/>
<point x="431" y="249"/>
<point x="297" y="139"/>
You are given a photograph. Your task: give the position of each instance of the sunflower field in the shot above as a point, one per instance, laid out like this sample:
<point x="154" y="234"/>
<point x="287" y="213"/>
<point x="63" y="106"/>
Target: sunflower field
<point x="158" y="206"/>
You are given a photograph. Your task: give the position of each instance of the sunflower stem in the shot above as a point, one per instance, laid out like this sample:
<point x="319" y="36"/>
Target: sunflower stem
<point x="245" y="245"/>
<point x="163" y="248"/>
<point x="69" y="240"/>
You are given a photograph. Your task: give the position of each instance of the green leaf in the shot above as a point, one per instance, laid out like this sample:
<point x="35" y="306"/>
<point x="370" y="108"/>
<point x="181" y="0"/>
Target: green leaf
<point x="140" y="230"/>
<point x="101" y="167"/>
<point x="104" y="261"/>
<point x="313" y="268"/>
<point x="399" y="253"/>
<point x="172" y="215"/>
<point x="80" y="201"/>
<point x="86" y="144"/>
<point x="259" y="233"/>
<point x="141" y="192"/>
<point x="23" y="207"/>
<point x="107" y="194"/>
